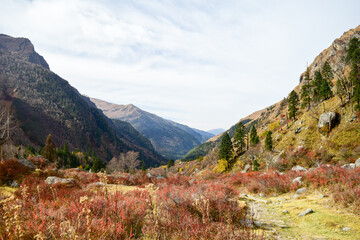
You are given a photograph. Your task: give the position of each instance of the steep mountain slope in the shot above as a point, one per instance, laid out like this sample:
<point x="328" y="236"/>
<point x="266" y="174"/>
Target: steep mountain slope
<point x="43" y="103"/>
<point x="340" y="145"/>
<point x="171" y="139"/>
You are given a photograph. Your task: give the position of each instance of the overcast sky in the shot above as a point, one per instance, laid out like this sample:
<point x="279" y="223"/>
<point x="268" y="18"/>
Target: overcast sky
<point x="203" y="63"/>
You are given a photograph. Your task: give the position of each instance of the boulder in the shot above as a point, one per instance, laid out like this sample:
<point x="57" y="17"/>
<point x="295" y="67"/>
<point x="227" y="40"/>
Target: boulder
<point x="357" y="163"/>
<point x="13" y="184"/>
<point x="349" y="166"/>
<point x="298" y="169"/>
<point x="345" y="229"/>
<point x="298" y="130"/>
<point x="297" y="180"/>
<point x="306" y="212"/>
<point x="27" y="163"/>
<point x="301" y="191"/>
<point x="246" y="168"/>
<point x="326" y="119"/>
<point x="54" y="180"/>
<point x="353" y="118"/>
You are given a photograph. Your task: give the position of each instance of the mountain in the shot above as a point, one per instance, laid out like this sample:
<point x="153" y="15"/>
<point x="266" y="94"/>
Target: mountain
<point x="338" y="143"/>
<point x="43" y="103"/>
<point x="171" y="139"/>
<point x="216" y="131"/>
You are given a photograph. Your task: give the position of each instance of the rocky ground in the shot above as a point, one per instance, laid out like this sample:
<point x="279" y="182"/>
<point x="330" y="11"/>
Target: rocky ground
<point x="308" y="215"/>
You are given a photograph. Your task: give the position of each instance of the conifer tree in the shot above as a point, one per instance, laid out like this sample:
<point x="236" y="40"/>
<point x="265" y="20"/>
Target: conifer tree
<point x="325" y="91"/>
<point x="49" y="150"/>
<point x="317" y="86"/>
<point x="254" y="138"/>
<point x="268" y="141"/>
<point x="226" y="147"/>
<point x="292" y="105"/>
<point x="305" y="95"/>
<point x="327" y="72"/>
<point x="170" y="163"/>
<point x="239" y="138"/>
<point x="143" y="166"/>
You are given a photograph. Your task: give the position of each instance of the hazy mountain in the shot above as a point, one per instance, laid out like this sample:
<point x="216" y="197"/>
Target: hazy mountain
<point x="43" y="103"/>
<point x="216" y="131"/>
<point x="171" y="139"/>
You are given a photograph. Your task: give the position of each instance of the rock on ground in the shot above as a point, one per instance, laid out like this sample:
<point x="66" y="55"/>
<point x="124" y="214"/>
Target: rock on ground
<point x="326" y="119"/>
<point x="306" y="212"/>
<point x="54" y="180"/>
<point x="298" y="169"/>
<point x="27" y="163"/>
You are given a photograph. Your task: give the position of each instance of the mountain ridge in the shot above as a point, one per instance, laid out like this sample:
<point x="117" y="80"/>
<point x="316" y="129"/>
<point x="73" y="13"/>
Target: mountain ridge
<point x="43" y="103"/>
<point x="169" y="138"/>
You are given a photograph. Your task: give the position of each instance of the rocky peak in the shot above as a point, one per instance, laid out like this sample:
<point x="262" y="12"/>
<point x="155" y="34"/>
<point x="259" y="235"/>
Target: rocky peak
<point x="334" y="54"/>
<point x="22" y="47"/>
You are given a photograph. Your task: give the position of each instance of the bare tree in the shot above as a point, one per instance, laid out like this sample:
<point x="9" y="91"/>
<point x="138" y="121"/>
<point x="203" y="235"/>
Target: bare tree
<point x="4" y="128"/>
<point x="132" y="160"/>
<point x="124" y="161"/>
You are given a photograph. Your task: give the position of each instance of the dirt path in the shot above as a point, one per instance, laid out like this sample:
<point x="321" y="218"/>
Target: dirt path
<point x="278" y="217"/>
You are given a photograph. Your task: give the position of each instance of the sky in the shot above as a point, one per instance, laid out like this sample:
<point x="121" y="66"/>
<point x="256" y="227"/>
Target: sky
<point x="203" y="63"/>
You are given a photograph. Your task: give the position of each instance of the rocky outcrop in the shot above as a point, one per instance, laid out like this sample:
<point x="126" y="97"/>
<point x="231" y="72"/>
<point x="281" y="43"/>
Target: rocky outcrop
<point x="306" y="212"/>
<point x="334" y="54"/>
<point x="298" y="169"/>
<point x="357" y="163"/>
<point x="22" y="47"/>
<point x="27" y="163"/>
<point x="54" y="180"/>
<point x="326" y="120"/>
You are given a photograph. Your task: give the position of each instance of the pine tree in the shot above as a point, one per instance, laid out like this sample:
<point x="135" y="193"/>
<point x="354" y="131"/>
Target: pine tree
<point x="325" y="91"/>
<point x="268" y="141"/>
<point x="49" y="150"/>
<point x="143" y="166"/>
<point x="292" y="105"/>
<point x="226" y="147"/>
<point x="305" y="95"/>
<point x="317" y="86"/>
<point x="327" y="72"/>
<point x="239" y="138"/>
<point x="170" y="163"/>
<point x="254" y="138"/>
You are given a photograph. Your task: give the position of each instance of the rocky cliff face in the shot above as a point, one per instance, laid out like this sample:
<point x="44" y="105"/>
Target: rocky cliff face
<point x="43" y="103"/>
<point x="334" y="54"/>
<point x="171" y="139"/>
<point x="23" y="48"/>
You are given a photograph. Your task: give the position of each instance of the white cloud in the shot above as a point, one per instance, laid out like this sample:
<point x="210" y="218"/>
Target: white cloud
<point x="202" y="63"/>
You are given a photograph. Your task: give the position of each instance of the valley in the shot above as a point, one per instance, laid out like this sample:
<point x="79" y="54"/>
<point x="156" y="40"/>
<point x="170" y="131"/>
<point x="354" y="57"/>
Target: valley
<point x="77" y="167"/>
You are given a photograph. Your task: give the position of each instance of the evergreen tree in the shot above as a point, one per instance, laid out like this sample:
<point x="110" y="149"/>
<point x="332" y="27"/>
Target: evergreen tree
<point x="170" y="163"/>
<point x="239" y="138"/>
<point x="325" y="91"/>
<point x="143" y="166"/>
<point x="254" y="138"/>
<point x="317" y="86"/>
<point x="49" y="150"/>
<point x="268" y="141"/>
<point x="327" y="72"/>
<point x="97" y="164"/>
<point x="226" y="147"/>
<point x="354" y="45"/>
<point x="292" y="105"/>
<point x="305" y="95"/>
<point x="256" y="165"/>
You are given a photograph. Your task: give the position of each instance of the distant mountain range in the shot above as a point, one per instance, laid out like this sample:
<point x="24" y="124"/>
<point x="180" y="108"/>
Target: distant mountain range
<point x="216" y="131"/>
<point x="43" y="103"/>
<point x="170" y="139"/>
